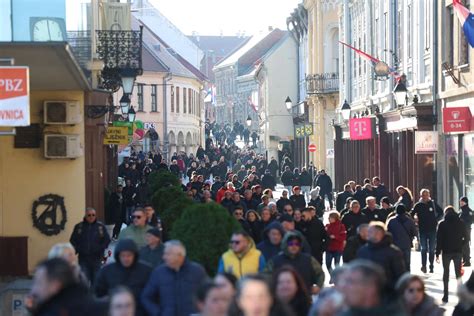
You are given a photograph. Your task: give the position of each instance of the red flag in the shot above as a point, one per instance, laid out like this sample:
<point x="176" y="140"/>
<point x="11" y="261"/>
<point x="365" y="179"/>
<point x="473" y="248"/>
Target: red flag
<point x="252" y="105"/>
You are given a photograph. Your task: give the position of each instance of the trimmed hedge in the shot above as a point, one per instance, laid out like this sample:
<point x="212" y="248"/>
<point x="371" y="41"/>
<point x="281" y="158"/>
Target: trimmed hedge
<point x="162" y="179"/>
<point x="205" y="230"/>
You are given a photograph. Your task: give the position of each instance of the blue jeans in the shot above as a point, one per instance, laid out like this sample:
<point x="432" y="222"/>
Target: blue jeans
<point x="336" y="255"/>
<point x="428" y="245"/>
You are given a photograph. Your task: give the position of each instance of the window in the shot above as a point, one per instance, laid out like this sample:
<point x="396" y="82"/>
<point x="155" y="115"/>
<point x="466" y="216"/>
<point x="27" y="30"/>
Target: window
<point x="428" y="24"/>
<point x="409" y="31"/>
<point x="177" y="99"/>
<point x="385" y="35"/>
<point x="154" y="98"/>
<point x="140" y="96"/>
<point x="172" y="99"/>
<point x="463" y="44"/>
<point x="184" y="100"/>
<point x="191" y="99"/>
<point x="399" y="34"/>
<point x="449" y="52"/>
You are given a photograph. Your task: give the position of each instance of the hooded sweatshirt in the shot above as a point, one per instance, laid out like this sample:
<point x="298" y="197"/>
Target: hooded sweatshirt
<point x="112" y="275"/>
<point x="451" y="235"/>
<point x="268" y="249"/>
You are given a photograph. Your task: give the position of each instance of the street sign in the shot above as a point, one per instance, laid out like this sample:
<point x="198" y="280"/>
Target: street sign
<point x="14" y="96"/>
<point x="116" y="136"/>
<point x="311" y="148"/>
<point x="456" y="119"/>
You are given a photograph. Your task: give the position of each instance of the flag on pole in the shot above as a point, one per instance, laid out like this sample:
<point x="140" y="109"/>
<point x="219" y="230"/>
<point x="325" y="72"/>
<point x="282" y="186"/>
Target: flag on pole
<point x="466" y="19"/>
<point x="252" y="104"/>
<point x="373" y="60"/>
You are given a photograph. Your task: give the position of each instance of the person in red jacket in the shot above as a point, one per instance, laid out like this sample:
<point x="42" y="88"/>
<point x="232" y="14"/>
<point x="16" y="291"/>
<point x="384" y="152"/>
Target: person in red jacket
<point x="337" y="239"/>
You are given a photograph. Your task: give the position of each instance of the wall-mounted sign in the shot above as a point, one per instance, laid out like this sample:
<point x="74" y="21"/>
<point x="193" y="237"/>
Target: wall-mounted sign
<point x="311" y="148"/>
<point x="14" y="96"/>
<point x="361" y="128"/>
<point x="116" y="16"/>
<point x="330" y="153"/>
<point x="148" y="125"/>
<point x="456" y="120"/>
<point x="303" y="130"/>
<point x="116" y="136"/>
<point x="426" y="142"/>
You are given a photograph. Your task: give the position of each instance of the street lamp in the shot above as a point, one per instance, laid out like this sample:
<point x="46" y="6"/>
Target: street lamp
<point x="288" y="103"/>
<point x="127" y="83"/>
<point x="249" y="121"/>
<point x="400" y="92"/>
<point x="124" y="104"/>
<point x="131" y="115"/>
<point x="346" y="111"/>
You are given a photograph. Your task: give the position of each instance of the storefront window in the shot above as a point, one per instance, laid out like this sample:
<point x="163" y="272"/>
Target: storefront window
<point x="453" y="184"/>
<point x="469" y="165"/>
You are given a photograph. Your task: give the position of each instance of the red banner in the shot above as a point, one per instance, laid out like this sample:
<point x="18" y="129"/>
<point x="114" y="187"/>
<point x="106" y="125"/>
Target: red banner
<point x="456" y="120"/>
<point x="361" y="128"/>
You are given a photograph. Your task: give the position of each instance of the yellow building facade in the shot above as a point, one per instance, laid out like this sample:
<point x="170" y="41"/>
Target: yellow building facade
<point x="322" y="78"/>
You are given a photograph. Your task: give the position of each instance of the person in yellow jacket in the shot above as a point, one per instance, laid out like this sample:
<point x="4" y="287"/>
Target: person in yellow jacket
<point x="242" y="258"/>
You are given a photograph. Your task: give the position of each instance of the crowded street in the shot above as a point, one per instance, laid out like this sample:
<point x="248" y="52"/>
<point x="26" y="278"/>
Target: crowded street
<point x="236" y="158"/>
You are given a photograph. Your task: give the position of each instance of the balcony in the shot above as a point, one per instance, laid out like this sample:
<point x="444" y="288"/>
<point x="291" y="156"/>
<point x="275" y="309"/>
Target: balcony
<point x="80" y="42"/>
<point x="322" y="83"/>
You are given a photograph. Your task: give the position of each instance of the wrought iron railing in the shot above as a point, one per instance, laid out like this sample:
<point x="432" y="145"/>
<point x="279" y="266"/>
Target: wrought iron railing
<point x="121" y="52"/>
<point x="322" y="83"/>
<point x="80" y="42"/>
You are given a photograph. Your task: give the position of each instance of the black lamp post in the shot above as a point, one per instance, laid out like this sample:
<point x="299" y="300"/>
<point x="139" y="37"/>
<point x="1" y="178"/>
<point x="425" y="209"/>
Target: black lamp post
<point x="400" y="92"/>
<point x="288" y="103"/>
<point x="346" y="111"/>
<point x="249" y="121"/>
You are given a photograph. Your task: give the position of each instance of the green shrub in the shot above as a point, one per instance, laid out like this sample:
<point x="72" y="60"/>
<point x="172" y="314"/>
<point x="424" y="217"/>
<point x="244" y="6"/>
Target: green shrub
<point x="161" y="179"/>
<point x="169" y="203"/>
<point x="205" y="230"/>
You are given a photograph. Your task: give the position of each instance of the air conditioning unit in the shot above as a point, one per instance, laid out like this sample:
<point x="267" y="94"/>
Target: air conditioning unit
<point x="62" y="146"/>
<point x="62" y="112"/>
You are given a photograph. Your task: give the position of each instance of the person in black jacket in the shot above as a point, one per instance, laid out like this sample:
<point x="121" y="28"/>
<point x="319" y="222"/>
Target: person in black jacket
<point x="354" y="243"/>
<point x="271" y="240"/>
<point x="306" y="181"/>
<point x="126" y="271"/>
<point x="268" y="181"/>
<point x="427" y="213"/>
<point x="466" y="216"/>
<point x="317" y="202"/>
<point x="255" y="225"/>
<point x="381" y="250"/>
<point x="174" y="168"/>
<point x="90" y="239"/>
<point x="57" y="291"/>
<point x="451" y="238"/>
<point x="283" y="201"/>
<point x="315" y="233"/>
<point x="353" y="219"/>
<point x="117" y="210"/>
<point x="342" y="197"/>
<point x="297" y="199"/>
<point x="379" y="188"/>
<point x="287" y="178"/>
<point x="273" y="167"/>
<point x="324" y="182"/>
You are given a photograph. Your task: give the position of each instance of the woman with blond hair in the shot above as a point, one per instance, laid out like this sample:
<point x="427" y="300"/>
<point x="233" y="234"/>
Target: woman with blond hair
<point x="67" y="252"/>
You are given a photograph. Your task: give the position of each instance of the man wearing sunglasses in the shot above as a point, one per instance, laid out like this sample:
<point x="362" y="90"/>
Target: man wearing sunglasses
<point x="242" y="258"/>
<point x="137" y="229"/>
<point x="90" y="239"/>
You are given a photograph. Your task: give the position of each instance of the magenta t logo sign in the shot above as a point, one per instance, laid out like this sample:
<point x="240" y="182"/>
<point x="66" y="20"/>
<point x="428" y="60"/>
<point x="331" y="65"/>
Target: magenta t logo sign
<point x="360" y="128"/>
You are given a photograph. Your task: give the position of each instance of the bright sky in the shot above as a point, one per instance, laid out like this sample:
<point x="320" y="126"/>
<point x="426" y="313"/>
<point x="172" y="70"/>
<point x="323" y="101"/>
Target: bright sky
<point x="211" y="17"/>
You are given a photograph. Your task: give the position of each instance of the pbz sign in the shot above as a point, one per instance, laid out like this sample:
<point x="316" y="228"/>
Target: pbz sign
<point x="14" y="96"/>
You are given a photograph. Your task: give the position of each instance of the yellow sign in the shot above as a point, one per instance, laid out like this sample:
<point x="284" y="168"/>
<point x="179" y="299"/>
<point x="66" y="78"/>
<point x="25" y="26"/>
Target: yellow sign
<point x="116" y="136"/>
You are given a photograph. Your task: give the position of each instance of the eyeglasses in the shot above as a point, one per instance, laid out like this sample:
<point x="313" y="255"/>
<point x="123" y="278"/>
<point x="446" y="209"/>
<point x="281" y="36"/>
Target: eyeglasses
<point x="238" y="214"/>
<point x="412" y="290"/>
<point x="136" y="216"/>
<point x="235" y="242"/>
<point x="90" y="215"/>
<point x="294" y="243"/>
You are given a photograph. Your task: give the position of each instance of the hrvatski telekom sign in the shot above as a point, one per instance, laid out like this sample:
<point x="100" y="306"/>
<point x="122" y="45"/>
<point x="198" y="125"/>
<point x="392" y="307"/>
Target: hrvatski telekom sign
<point x="14" y="96"/>
<point x="361" y="128"/>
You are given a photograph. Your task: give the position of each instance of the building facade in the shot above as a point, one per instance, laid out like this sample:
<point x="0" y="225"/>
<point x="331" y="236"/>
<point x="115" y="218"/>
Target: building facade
<point x="400" y="33"/>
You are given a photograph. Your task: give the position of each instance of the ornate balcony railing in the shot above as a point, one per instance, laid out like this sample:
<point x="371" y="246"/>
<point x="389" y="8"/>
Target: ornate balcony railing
<point x="121" y="52"/>
<point x="80" y="42"/>
<point x="322" y="83"/>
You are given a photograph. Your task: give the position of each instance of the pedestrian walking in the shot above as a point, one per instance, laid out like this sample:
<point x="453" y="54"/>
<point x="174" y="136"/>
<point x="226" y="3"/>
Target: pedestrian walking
<point x="152" y="252"/>
<point x="342" y="197"/>
<point x="337" y="238"/>
<point x="353" y="219"/>
<point x="427" y="213"/>
<point x="324" y="182"/>
<point x="451" y="237"/>
<point x="118" y="210"/>
<point x="297" y="199"/>
<point x="271" y="243"/>
<point x="171" y="286"/>
<point x="306" y="181"/>
<point x="287" y="178"/>
<point x="137" y="229"/>
<point x="315" y="233"/>
<point x="354" y="243"/>
<point x="90" y="239"/>
<point x="466" y="216"/>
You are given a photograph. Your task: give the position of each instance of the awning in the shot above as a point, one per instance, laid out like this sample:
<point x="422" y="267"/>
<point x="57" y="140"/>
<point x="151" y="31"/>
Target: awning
<point x="52" y="65"/>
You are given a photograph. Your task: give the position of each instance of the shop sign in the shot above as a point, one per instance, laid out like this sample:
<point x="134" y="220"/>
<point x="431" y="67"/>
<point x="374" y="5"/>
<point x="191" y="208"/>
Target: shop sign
<point x="426" y="142"/>
<point x="148" y="125"/>
<point x="303" y="130"/>
<point x="361" y="128"/>
<point x="14" y="96"/>
<point x="116" y="136"/>
<point x="456" y="120"/>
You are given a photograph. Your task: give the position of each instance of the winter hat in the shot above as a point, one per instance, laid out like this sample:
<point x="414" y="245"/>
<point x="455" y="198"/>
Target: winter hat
<point x="286" y="218"/>
<point x="315" y="193"/>
<point x="385" y="200"/>
<point x="465" y="200"/>
<point x="296" y="188"/>
<point x="155" y="232"/>
<point x="401" y="209"/>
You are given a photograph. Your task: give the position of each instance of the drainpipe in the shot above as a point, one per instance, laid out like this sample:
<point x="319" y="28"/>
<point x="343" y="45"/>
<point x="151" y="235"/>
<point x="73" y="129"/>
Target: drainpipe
<point x="439" y="164"/>
<point x="166" y="79"/>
